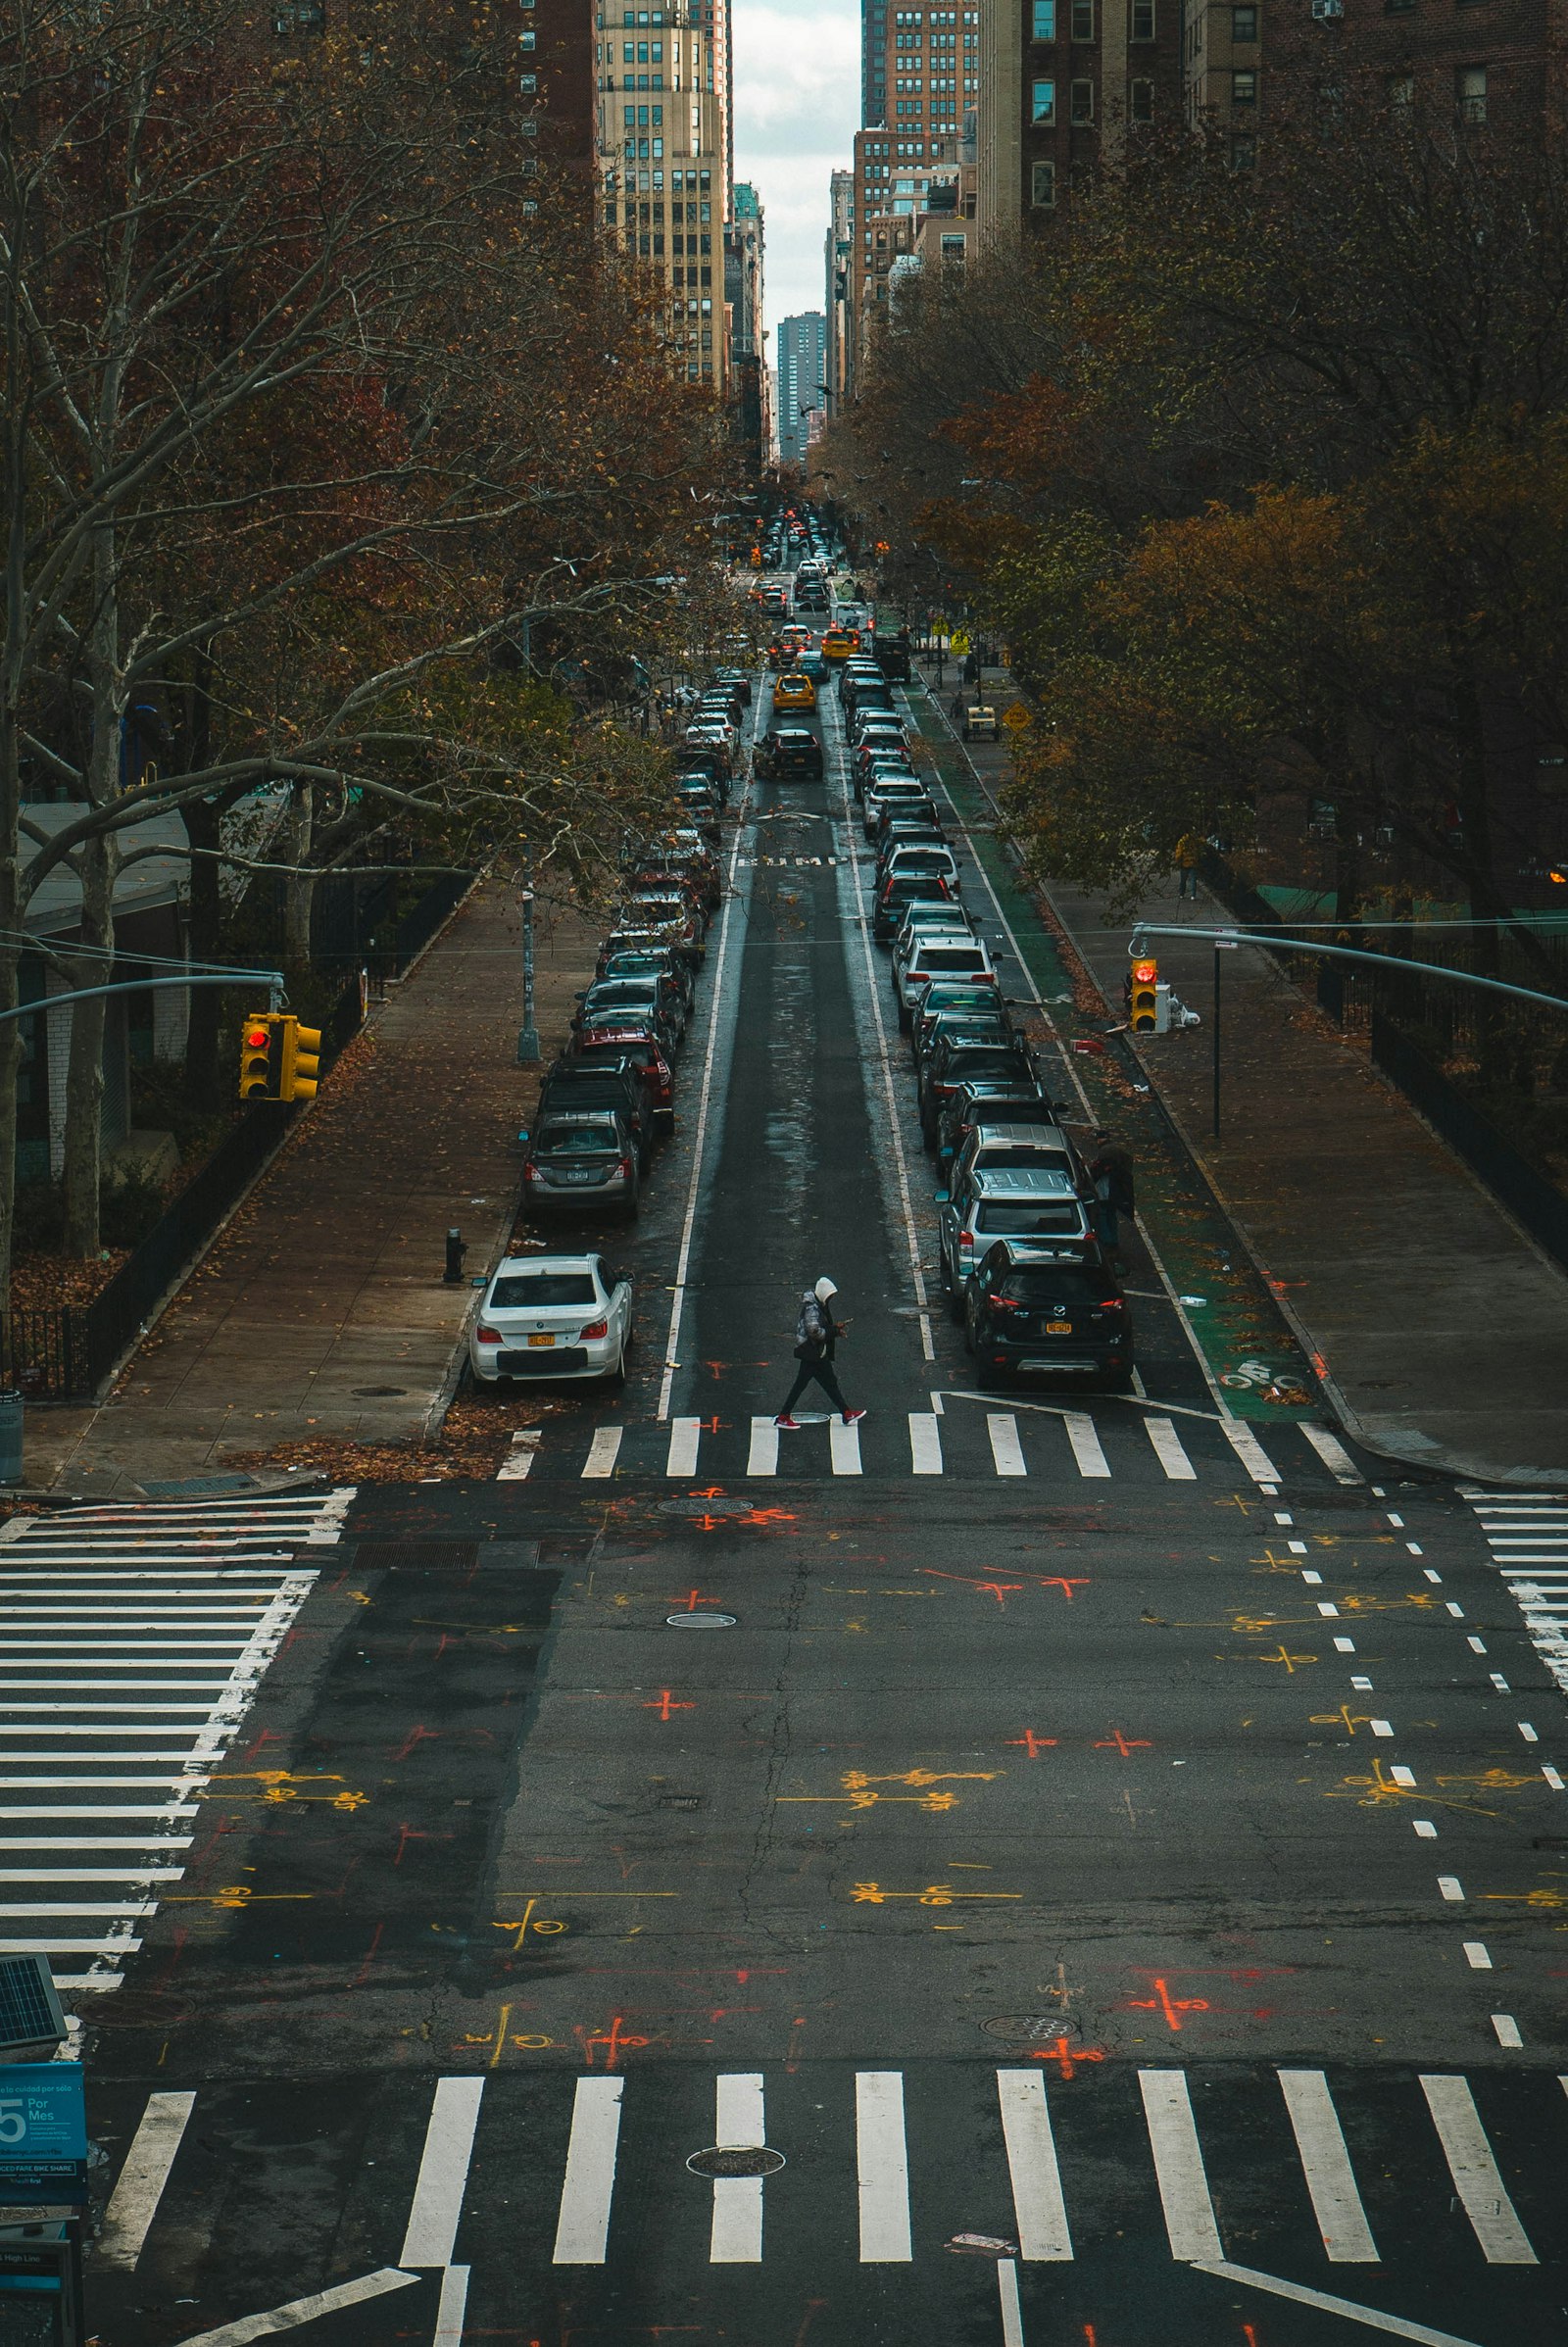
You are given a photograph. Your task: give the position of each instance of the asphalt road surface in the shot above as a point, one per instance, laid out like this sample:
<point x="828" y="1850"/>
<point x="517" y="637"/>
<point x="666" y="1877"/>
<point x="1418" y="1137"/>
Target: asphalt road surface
<point x="1099" y="1875"/>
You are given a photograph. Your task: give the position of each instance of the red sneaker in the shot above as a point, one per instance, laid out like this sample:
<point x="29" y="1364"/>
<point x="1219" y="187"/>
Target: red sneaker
<point x="852" y="1417"/>
<point x="791" y="1426"/>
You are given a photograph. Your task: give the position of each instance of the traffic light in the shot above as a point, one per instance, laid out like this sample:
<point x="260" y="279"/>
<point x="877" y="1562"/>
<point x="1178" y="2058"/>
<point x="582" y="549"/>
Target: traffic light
<point x="261" y="1056"/>
<point x="302" y="1057"/>
<point x="1144" y="997"/>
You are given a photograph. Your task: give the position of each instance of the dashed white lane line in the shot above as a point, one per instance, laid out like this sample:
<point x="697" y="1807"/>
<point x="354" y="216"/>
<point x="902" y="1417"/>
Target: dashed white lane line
<point x="139" y="2186"/>
<point x="1006" y="1450"/>
<point x="582" y="2227"/>
<point x="1169" y="1451"/>
<point x="604" y="1450"/>
<point x="925" y="1443"/>
<point x="683" y="1439"/>
<point x="1474" y="2173"/>
<point x="1326" y="2165"/>
<point x="1178" y="2171"/>
<point x="1085" y="1442"/>
<point x="432" y="2227"/>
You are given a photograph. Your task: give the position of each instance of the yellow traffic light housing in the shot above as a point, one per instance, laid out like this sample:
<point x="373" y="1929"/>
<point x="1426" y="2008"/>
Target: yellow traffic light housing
<point x="261" y="1056"/>
<point x="1144" y="997"/>
<point x="302" y="1057"/>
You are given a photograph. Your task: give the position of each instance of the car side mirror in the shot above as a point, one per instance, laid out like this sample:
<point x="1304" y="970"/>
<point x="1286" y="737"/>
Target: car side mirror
<point x="481" y="1282"/>
<point x="939" y="1197"/>
<point x="523" y="1134"/>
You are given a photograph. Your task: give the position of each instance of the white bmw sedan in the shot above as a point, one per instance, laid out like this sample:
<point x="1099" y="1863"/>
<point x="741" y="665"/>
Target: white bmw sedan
<point x="552" y="1316"/>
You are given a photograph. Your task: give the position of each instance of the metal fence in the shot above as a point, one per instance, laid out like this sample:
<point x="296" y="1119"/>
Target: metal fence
<point x="66" y="1352"/>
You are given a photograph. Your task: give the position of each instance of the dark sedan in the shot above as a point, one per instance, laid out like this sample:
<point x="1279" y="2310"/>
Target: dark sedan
<point x="1048" y="1312"/>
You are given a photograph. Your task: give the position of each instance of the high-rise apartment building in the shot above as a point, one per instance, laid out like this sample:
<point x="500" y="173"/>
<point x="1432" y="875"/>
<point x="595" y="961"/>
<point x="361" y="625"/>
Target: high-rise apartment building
<point x="802" y="360"/>
<point x="666" y="155"/>
<point x="743" y="304"/>
<point x="837" y="261"/>
<point x="555" y="82"/>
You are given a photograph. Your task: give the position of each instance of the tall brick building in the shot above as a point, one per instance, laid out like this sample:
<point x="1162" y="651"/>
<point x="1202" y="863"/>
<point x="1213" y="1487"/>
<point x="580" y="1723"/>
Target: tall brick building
<point x="1063" y="82"/>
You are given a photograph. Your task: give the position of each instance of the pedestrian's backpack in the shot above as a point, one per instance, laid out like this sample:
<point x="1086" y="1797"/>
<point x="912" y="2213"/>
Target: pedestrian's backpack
<point x="810" y="1329"/>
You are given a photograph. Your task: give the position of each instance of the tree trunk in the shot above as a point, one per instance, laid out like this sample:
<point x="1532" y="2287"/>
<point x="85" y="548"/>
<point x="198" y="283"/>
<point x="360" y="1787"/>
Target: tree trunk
<point x="203" y="818"/>
<point x="98" y="861"/>
<point x="300" y="887"/>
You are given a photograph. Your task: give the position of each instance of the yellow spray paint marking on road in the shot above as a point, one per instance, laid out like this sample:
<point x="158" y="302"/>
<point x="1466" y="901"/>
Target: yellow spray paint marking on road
<point x="546" y="1925"/>
<point x="1281" y="1654"/>
<point x="935" y="1894"/>
<point x="1344" y="1716"/>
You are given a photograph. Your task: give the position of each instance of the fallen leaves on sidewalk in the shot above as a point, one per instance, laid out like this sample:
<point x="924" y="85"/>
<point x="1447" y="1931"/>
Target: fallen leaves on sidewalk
<point x="474" y="1440"/>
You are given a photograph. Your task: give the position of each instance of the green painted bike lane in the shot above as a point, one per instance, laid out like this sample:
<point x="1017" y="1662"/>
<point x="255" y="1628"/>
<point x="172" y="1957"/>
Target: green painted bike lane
<point x="1229" y="1307"/>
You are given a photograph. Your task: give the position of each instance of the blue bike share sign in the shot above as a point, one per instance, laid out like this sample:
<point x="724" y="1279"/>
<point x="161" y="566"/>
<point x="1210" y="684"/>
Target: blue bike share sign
<point x="43" y="2131"/>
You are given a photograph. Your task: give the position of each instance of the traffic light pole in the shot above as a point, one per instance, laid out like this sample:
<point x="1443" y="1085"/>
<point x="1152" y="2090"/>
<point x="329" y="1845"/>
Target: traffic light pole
<point x="138" y="986"/>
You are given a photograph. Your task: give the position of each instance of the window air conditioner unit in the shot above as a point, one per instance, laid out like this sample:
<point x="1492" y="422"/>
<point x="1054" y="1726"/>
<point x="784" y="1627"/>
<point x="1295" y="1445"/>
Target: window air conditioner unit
<point x="1324" y="10"/>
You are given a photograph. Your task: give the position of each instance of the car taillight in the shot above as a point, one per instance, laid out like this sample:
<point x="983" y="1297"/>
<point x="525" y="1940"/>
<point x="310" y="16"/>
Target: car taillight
<point x="1002" y="1303"/>
<point x="1114" y="1303"/>
<point x="531" y="1173"/>
<point x="488" y="1335"/>
<point x="596" y="1328"/>
<point x="966" y="1238"/>
<point x="624" y="1169"/>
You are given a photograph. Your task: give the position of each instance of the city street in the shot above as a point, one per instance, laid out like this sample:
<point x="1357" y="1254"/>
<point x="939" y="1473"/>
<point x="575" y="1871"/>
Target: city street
<point x="1110" y="1852"/>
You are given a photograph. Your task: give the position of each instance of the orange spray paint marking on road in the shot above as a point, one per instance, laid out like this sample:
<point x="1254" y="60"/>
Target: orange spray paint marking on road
<point x="665" y="1705"/>
<point x="1165" y="2003"/>
<point x="1067" y="2056"/>
<point x="1032" y="1743"/>
<point x="615" y="2041"/>
<point x="1115" y="1741"/>
<point x="690" y="1601"/>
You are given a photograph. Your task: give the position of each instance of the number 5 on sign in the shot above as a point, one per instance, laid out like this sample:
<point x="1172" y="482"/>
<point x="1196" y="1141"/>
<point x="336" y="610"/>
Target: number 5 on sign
<point x="43" y="2131"/>
<point x="12" y="2123"/>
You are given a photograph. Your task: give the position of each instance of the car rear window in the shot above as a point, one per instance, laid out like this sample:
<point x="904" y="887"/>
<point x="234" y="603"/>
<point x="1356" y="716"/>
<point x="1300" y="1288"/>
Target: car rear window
<point x="952" y="958"/>
<point x="1021" y="1161"/>
<point x="605" y="1055"/>
<point x="528" y="1290"/>
<point x="1017" y="1218"/>
<point x="573" y="1141"/>
<point x="1068" y="1286"/>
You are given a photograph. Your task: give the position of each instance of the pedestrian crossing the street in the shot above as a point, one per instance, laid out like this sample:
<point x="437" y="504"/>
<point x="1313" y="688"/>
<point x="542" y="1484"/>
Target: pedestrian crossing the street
<point x="856" y="2166"/>
<point x="1131" y="1445"/>
<point x="132" y="1640"/>
<point x="1528" y="1539"/>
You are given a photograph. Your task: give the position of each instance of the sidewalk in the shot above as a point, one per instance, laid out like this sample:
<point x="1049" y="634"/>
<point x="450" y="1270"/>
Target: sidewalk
<point x="321" y="1314"/>
<point x="1439" y="1328"/>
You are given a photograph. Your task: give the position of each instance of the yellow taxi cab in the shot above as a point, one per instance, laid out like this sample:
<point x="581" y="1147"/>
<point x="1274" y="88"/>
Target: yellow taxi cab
<point x="794" y="690"/>
<point x="840" y="642"/>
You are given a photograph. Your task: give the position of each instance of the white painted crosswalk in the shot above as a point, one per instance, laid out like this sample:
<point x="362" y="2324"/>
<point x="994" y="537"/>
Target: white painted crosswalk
<point x="135" y="1638"/>
<point x="1527" y="1540"/>
<point x="1031" y="1441"/>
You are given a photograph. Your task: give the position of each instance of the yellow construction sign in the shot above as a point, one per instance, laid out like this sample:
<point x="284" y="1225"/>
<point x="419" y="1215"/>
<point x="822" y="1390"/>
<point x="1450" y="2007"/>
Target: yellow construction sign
<point x="1016" y="717"/>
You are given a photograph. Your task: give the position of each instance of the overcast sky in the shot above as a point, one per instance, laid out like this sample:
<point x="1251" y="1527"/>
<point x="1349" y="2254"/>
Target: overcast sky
<point x="797" y="109"/>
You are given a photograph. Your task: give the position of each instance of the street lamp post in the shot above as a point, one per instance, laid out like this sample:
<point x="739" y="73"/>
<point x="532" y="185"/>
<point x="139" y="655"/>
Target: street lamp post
<point x="1222" y="944"/>
<point x="528" y="1034"/>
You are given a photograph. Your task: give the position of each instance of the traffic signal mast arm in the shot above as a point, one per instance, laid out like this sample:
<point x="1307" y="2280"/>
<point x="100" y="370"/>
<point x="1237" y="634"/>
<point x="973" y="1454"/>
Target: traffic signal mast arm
<point x="1308" y="945"/>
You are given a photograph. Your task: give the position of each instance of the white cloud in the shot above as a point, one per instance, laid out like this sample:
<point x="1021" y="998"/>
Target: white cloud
<point x="797" y="109"/>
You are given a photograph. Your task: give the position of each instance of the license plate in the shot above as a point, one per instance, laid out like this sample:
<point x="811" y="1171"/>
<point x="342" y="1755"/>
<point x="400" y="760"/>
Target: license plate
<point x="583" y="1173"/>
<point x="1059" y="1328"/>
<point x="540" y="1340"/>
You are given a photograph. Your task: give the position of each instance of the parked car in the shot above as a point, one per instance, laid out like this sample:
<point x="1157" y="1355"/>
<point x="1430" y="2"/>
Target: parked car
<point x="928" y="857"/>
<point x="887" y="763"/>
<point x="790" y="754"/>
<point x="599" y="1080"/>
<point x="566" y="1317"/>
<point x="737" y="682"/>
<point x="954" y="1061"/>
<point x="1042" y="1207"/>
<point x="648" y="962"/>
<point x="946" y="999"/>
<point x="980" y="724"/>
<point x="1031" y="1311"/>
<point x="647" y="1001"/>
<point x="954" y="1030"/>
<point x="991" y="1099"/>
<point x="908" y="797"/>
<point x="1022" y="1149"/>
<point x="895" y="896"/>
<point x="583" y="1162"/>
<point x="941" y="954"/>
<point x="637" y="1047"/>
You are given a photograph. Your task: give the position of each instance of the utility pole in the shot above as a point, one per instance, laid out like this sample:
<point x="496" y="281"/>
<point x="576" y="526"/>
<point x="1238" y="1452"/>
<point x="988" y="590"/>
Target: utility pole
<point x="1222" y="944"/>
<point x="529" y="1033"/>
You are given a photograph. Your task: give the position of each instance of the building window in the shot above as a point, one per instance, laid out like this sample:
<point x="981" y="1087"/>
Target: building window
<point x="527" y="39"/>
<point x="1045" y="20"/>
<point x="1043" y="185"/>
<point x="1083" y="20"/>
<point x="1400" y="91"/>
<point x="1044" y="109"/>
<point x="1244" y="153"/>
<point x="1141" y="101"/>
<point x="527" y="84"/>
<point x="1470" y="93"/>
<point x="1244" y="24"/>
<point x="1243" y="87"/>
<point x="1082" y="103"/>
<point x="1142" y="20"/>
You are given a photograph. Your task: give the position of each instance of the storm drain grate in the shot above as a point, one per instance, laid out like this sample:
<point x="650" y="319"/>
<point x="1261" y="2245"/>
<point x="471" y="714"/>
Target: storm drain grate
<point x="679" y="1800"/>
<point x="1029" y="2028"/>
<point x="377" y="1392"/>
<point x="719" y="1505"/>
<point x="736" y="2158"/>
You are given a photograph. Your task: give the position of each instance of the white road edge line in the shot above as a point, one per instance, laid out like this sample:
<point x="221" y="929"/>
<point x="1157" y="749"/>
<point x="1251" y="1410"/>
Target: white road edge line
<point x="1011" y="2311"/>
<point x="303" y="2309"/>
<point x="139" y="2186"/>
<point x="1369" y="2315"/>
<point x="895" y="1121"/>
<point x="699" y="1141"/>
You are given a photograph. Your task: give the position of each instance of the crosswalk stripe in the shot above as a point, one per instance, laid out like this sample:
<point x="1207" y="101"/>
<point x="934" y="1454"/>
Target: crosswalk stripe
<point x="1326" y="2165"/>
<point x="763" y="1456"/>
<point x="844" y="1444"/>
<point x="602" y="1451"/>
<point x="433" y="2229"/>
<point x="882" y="2168"/>
<point x="682" y="1457"/>
<point x="736" y="2238"/>
<point x="1474" y="2169"/>
<point x="140" y="2185"/>
<point x="1168" y="1449"/>
<point x="1038" y="2205"/>
<point x="1005" y="1448"/>
<point x="1179" y="2166"/>
<point x="1085" y="1442"/>
<point x="925" y="1443"/>
<point x="1331" y="1451"/>
<point x="517" y="1464"/>
<point x="582" y="2226"/>
<point x="1249" y="1450"/>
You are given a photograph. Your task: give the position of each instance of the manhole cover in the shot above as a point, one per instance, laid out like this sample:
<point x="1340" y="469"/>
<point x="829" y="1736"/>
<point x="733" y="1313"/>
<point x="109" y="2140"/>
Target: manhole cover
<point x="720" y="1505"/>
<point x="377" y="1392"/>
<point x="678" y="1800"/>
<point x="699" y="1621"/>
<point x="736" y="2158"/>
<point x="1029" y="2028"/>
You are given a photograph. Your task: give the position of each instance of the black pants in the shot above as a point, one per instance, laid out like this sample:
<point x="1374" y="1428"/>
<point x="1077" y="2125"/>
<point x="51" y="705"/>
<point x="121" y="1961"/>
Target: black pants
<point x="826" y="1377"/>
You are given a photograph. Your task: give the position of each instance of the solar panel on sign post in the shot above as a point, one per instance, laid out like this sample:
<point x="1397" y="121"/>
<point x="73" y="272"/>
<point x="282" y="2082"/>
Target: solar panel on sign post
<point x="31" y="2021"/>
